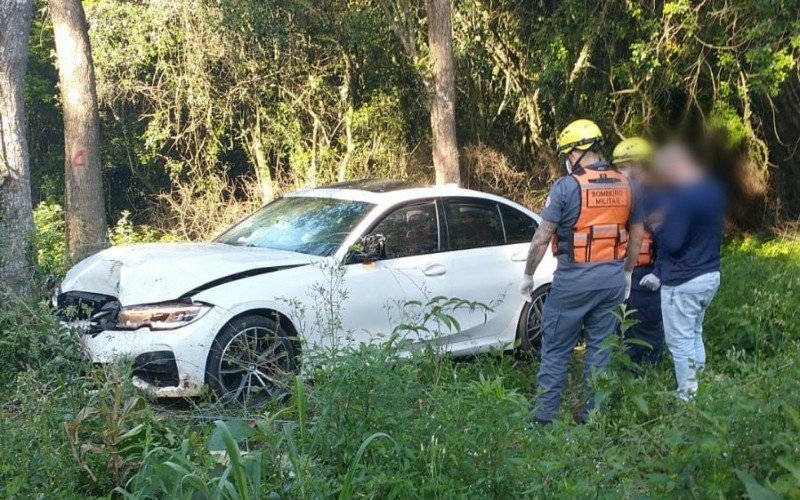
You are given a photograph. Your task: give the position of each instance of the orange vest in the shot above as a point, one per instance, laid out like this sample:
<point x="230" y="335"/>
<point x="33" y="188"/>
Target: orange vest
<point x="647" y="255"/>
<point x="600" y="234"/>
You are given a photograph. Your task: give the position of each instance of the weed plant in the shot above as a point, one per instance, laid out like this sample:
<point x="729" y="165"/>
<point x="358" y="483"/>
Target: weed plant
<point x="380" y="422"/>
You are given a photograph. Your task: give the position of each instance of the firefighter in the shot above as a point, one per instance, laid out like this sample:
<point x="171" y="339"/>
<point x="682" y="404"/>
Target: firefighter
<point x="594" y="225"/>
<point x="632" y="158"/>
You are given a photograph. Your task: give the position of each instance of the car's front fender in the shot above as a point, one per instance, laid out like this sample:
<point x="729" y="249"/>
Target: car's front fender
<point x="290" y="293"/>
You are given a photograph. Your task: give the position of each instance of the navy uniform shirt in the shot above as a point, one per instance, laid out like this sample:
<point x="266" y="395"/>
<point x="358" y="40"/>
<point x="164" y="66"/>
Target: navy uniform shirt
<point x="563" y="207"/>
<point x="690" y="235"/>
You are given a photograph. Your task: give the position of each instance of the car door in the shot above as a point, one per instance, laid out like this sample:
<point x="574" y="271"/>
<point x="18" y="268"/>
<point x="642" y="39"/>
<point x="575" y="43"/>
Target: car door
<point x="519" y="228"/>
<point x="482" y="268"/>
<point x="396" y="289"/>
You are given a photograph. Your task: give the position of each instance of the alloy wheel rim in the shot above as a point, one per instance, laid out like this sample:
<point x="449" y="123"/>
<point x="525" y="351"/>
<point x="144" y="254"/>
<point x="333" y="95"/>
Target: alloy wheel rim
<point x="253" y="366"/>
<point x="534" y="320"/>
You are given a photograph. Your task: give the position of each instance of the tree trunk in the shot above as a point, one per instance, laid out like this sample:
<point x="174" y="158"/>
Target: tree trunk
<point x="260" y="165"/>
<point x="443" y="100"/>
<point x="16" y="214"/>
<point x="85" y="206"/>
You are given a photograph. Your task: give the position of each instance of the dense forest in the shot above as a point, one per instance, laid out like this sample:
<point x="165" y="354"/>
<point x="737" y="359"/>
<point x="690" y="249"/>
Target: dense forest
<point x="203" y="103"/>
<point x="129" y="121"/>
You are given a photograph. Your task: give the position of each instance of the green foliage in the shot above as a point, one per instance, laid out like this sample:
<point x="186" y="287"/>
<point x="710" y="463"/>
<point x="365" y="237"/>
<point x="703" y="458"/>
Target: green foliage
<point x="375" y="424"/>
<point x="40" y="365"/>
<point x="278" y="95"/>
<point x="726" y="118"/>
<point x="48" y="218"/>
<point x="220" y="84"/>
<point x="67" y="427"/>
<point x="32" y="339"/>
<point x="125" y="232"/>
<point x="36" y="456"/>
<point x="758" y="308"/>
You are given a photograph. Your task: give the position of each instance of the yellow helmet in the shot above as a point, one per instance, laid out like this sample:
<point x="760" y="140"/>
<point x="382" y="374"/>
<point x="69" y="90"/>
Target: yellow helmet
<point x="632" y="149"/>
<point x="580" y="134"/>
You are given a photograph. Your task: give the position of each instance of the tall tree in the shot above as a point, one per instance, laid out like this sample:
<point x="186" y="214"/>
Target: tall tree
<point x="16" y="215"/>
<point x="404" y="18"/>
<point x="85" y="207"/>
<point x="443" y="98"/>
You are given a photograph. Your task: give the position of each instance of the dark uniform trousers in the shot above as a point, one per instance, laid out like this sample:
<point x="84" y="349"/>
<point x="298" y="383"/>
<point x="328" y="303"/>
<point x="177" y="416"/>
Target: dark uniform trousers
<point x="568" y="312"/>
<point x="649" y="326"/>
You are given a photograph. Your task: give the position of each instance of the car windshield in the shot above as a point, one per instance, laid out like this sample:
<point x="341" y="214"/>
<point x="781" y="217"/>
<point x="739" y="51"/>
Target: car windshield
<point x="315" y="226"/>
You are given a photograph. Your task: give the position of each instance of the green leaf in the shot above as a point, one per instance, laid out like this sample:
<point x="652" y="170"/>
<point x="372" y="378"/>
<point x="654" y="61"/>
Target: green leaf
<point x="347" y="486"/>
<point x="238" y="429"/>
<point x="641" y="404"/>
<point x="755" y="491"/>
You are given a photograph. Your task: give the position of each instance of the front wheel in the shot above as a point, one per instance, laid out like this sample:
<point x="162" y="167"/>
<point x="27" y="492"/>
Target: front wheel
<point x="251" y="361"/>
<point x="529" y="329"/>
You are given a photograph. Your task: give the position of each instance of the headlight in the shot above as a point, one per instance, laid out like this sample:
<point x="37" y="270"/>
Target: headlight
<point x="165" y="316"/>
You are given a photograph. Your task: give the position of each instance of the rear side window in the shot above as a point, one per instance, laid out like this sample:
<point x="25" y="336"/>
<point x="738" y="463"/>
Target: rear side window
<point x="519" y="227"/>
<point x="473" y="224"/>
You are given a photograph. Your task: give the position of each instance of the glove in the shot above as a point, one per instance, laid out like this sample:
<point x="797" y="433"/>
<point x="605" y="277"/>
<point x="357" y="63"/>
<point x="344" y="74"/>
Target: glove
<point x="651" y="282"/>
<point x="526" y="287"/>
<point x="628" y="279"/>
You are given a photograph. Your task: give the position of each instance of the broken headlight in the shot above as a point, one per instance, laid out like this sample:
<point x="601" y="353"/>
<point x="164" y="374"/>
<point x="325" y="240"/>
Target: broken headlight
<point x="166" y="316"/>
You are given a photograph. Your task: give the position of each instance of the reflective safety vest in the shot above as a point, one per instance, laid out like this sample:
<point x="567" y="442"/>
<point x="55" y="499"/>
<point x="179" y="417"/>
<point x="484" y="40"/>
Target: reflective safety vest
<point x="600" y="234"/>
<point x="647" y="254"/>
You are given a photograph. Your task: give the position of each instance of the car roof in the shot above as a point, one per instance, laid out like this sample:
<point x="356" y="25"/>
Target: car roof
<point x="375" y="185"/>
<point x="390" y="192"/>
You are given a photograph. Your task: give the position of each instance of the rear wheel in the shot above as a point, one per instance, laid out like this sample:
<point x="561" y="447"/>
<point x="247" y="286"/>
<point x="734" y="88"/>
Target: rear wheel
<point x="251" y="361"/>
<point x="529" y="330"/>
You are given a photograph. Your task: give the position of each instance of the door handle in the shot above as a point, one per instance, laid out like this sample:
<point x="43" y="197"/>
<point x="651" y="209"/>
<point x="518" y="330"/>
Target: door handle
<point x="434" y="270"/>
<point x="519" y="257"/>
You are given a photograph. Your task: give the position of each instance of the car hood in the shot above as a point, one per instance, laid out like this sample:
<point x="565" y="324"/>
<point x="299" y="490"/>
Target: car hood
<point x="156" y="272"/>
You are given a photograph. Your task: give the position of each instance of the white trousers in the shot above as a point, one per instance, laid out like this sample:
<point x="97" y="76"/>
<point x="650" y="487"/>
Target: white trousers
<point x="683" y="308"/>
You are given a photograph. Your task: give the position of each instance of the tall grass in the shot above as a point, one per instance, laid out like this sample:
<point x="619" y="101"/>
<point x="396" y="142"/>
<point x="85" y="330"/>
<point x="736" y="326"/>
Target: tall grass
<point x="430" y="427"/>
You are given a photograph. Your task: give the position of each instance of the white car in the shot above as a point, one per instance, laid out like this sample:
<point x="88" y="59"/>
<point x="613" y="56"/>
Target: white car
<point x="342" y="264"/>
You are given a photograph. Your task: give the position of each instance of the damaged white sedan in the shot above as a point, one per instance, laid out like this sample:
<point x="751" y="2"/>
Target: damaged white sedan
<point x="235" y="313"/>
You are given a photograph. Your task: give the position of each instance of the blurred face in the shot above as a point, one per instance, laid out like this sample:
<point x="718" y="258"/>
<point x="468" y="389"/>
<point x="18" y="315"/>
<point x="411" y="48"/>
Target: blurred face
<point x="626" y="169"/>
<point x="664" y="167"/>
<point x="635" y="170"/>
<point x="675" y="165"/>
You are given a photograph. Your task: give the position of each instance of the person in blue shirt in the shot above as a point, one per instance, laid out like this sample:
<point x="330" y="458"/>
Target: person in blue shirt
<point x="689" y="236"/>
<point x="591" y="219"/>
<point x="632" y="157"/>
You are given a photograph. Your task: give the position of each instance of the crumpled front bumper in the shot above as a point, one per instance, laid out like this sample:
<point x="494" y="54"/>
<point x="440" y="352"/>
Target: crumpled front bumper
<point x="156" y="354"/>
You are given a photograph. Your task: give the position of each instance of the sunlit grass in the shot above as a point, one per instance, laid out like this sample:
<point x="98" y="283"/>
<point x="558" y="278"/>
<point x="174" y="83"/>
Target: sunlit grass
<point x="435" y="427"/>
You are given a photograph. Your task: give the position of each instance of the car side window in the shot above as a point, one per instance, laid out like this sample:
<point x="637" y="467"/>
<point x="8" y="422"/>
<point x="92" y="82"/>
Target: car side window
<point x="473" y="224"/>
<point x="519" y="227"/>
<point x="410" y="230"/>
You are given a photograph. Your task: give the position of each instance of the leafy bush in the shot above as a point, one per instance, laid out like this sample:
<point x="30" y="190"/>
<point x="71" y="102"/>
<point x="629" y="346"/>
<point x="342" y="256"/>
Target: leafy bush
<point x="32" y="339"/>
<point x="757" y="308"/>
<point x="40" y="365"/>
<point x="48" y="218"/>
<point x="389" y="430"/>
<point x="125" y="232"/>
<point x="373" y="424"/>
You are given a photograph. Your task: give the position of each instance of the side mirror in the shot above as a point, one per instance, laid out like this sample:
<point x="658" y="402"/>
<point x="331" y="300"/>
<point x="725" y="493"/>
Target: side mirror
<point x="370" y="248"/>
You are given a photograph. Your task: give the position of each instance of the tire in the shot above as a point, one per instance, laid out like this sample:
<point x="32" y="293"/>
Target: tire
<point x="529" y="328"/>
<point x="251" y="361"/>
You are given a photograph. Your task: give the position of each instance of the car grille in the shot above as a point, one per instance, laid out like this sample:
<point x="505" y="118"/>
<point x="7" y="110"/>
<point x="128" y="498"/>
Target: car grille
<point x="93" y="311"/>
